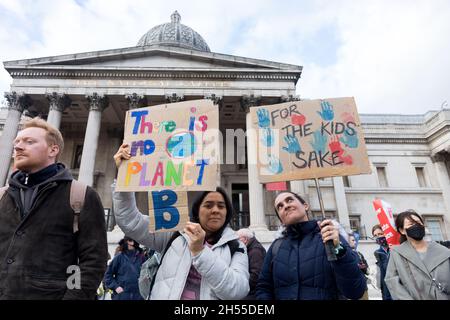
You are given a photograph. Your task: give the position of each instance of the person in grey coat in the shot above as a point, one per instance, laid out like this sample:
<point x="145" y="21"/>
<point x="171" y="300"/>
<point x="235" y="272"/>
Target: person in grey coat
<point x="417" y="270"/>
<point x="199" y="264"/>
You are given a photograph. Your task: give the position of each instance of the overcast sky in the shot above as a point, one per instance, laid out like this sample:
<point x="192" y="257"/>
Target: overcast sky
<point x="392" y="56"/>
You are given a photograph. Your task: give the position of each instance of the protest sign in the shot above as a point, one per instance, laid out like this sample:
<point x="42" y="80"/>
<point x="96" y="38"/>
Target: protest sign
<point x="309" y="139"/>
<point x="173" y="147"/>
<point x="386" y="219"/>
<point x="168" y="210"/>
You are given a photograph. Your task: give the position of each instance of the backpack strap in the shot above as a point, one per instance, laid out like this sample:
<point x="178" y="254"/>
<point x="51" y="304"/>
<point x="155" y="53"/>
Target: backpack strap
<point x="234" y="246"/>
<point x="77" y="195"/>
<point x="3" y="191"/>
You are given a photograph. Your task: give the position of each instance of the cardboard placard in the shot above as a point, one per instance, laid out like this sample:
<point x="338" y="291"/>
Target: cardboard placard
<point x="309" y="139"/>
<point x="173" y="147"/>
<point x="168" y="210"/>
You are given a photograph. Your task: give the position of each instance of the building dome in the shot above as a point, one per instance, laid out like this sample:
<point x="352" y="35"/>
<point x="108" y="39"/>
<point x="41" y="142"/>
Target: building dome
<point x="174" y="34"/>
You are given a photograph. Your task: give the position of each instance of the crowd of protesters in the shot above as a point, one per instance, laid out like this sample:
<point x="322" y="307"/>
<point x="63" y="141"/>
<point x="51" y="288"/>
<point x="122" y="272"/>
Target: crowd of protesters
<point x="207" y="260"/>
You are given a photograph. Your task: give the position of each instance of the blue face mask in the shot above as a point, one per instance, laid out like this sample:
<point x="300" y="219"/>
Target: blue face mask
<point x="382" y="241"/>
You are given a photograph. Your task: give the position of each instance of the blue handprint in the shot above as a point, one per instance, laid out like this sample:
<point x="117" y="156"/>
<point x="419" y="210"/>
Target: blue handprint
<point x="327" y="113"/>
<point x="275" y="165"/>
<point x="293" y="146"/>
<point x="350" y="141"/>
<point x="263" y="118"/>
<point x="319" y="142"/>
<point x="267" y="138"/>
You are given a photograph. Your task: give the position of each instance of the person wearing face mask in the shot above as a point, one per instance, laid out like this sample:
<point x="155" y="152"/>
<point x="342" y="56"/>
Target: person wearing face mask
<point x="382" y="257"/>
<point x="417" y="269"/>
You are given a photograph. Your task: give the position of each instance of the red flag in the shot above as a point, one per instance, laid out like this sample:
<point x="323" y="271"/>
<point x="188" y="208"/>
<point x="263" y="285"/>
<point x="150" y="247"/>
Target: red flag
<point x="386" y="219"/>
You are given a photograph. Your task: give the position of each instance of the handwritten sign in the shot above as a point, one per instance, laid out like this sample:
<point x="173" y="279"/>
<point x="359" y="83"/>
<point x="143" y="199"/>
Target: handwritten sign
<point x="386" y="219"/>
<point x="168" y="210"/>
<point x="309" y="139"/>
<point x="173" y="147"/>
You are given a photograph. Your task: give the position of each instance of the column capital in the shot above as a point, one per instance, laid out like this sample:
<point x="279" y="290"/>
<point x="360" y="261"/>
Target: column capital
<point x="97" y="102"/>
<point x="214" y="98"/>
<point x="440" y="157"/>
<point x="171" y="98"/>
<point x="58" y="102"/>
<point x="248" y="101"/>
<point x="289" y="98"/>
<point x="134" y="100"/>
<point x="18" y="101"/>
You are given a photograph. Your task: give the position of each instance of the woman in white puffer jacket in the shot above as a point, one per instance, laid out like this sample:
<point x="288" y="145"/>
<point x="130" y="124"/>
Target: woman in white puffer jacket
<point x="198" y="265"/>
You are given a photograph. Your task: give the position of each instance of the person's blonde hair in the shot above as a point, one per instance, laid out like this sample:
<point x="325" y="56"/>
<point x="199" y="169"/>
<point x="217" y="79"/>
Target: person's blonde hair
<point x="53" y="136"/>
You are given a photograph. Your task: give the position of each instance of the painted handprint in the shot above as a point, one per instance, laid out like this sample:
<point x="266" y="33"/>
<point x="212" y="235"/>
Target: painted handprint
<point x="298" y="119"/>
<point x="293" y="146"/>
<point x="275" y="165"/>
<point x="350" y="141"/>
<point x="319" y="142"/>
<point x="335" y="146"/>
<point x="263" y="118"/>
<point x="267" y="137"/>
<point x="348" y="117"/>
<point x="327" y="113"/>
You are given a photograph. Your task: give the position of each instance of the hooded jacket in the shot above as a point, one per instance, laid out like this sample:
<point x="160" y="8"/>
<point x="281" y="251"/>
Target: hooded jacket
<point x="300" y="269"/>
<point x="410" y="278"/>
<point x="224" y="277"/>
<point x="40" y="256"/>
<point x="123" y="271"/>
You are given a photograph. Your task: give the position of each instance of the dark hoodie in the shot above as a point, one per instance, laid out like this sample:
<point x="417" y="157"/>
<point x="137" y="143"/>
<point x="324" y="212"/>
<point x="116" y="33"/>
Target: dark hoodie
<point x="27" y="185"/>
<point x="40" y="256"/>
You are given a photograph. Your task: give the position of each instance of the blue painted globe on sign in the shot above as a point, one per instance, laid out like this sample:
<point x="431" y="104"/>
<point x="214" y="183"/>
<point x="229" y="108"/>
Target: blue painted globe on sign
<point x="181" y="145"/>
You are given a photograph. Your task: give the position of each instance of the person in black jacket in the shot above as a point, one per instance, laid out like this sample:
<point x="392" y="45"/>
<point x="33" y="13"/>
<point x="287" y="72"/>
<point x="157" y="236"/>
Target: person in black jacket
<point x="123" y="272"/>
<point x="296" y="266"/>
<point x="256" y="254"/>
<point x="382" y="256"/>
<point x="42" y="254"/>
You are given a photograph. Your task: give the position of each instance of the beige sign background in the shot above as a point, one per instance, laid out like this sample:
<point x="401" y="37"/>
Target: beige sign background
<point x="173" y="147"/>
<point x="179" y="211"/>
<point x="309" y="139"/>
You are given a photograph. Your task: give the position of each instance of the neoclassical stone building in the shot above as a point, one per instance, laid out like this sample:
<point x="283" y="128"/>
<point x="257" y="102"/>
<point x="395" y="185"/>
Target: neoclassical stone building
<point x="87" y="94"/>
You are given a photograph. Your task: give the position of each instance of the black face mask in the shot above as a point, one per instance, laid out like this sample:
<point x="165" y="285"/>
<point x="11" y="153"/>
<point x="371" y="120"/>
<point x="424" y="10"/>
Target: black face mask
<point x="382" y="241"/>
<point x="417" y="232"/>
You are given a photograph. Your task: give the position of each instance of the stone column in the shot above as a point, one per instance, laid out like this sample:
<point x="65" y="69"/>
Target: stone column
<point x="97" y="103"/>
<point x="17" y="104"/>
<point x="134" y="100"/>
<point x="443" y="176"/>
<point x="57" y="102"/>
<point x="341" y="202"/>
<point x="298" y="186"/>
<point x="218" y="100"/>
<point x="215" y="99"/>
<point x="255" y="188"/>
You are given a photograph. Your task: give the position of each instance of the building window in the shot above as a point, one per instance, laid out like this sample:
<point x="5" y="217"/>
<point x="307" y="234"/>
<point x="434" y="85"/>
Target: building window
<point x="420" y="172"/>
<point x="434" y="227"/>
<point x="346" y="181"/>
<point x="328" y="215"/>
<point x="78" y="151"/>
<point x="382" y="179"/>
<point x="355" y="226"/>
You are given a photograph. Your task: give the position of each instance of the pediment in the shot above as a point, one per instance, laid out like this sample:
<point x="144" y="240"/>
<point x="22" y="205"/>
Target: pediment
<point x="149" y="58"/>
